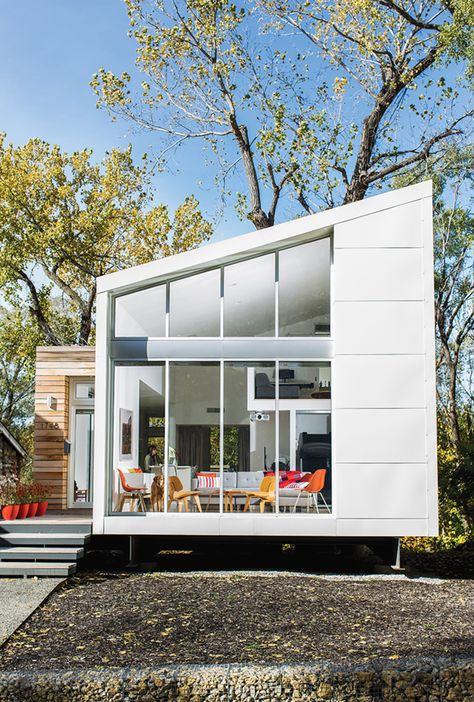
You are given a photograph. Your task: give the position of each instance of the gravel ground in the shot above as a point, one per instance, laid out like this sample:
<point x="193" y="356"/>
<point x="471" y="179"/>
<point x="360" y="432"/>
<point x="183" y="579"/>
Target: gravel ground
<point x="151" y="619"/>
<point x="19" y="597"/>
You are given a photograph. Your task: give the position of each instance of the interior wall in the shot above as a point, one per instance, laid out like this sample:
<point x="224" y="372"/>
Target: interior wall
<point x="127" y="396"/>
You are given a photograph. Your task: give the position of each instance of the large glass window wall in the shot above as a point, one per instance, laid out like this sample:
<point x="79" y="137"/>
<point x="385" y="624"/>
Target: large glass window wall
<point x="201" y="437"/>
<point x="280" y="294"/>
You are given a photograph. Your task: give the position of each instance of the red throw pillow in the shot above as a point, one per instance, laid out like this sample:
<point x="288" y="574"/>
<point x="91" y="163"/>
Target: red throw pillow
<point x="284" y="483"/>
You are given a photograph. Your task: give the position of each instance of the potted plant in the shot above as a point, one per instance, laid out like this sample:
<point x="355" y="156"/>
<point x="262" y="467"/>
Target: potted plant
<point x="23" y="498"/>
<point x="40" y="492"/>
<point x="10" y="508"/>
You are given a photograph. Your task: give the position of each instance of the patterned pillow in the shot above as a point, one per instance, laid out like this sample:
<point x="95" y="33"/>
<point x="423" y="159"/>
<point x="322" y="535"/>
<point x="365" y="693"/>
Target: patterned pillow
<point x="207" y="480"/>
<point x="297" y="486"/>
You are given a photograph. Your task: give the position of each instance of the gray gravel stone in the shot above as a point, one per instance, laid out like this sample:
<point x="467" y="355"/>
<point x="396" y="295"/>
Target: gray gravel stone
<point x="19" y="597"/>
<point x="404" y="681"/>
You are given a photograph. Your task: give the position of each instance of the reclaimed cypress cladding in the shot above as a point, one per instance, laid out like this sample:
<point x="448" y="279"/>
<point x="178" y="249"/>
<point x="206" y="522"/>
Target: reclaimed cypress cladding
<point x="55" y="366"/>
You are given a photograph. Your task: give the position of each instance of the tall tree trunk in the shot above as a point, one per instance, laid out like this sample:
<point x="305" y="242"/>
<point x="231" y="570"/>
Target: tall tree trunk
<point x="86" y="319"/>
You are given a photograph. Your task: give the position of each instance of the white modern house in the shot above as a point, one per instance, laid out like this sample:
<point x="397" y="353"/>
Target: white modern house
<point x="253" y="363"/>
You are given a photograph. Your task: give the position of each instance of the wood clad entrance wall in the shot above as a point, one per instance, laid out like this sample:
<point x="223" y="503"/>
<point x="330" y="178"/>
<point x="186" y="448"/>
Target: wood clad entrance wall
<point x="55" y="366"/>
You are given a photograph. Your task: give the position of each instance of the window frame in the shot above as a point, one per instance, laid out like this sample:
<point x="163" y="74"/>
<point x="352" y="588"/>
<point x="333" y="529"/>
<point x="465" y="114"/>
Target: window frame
<point x="170" y="279"/>
<point x="166" y="362"/>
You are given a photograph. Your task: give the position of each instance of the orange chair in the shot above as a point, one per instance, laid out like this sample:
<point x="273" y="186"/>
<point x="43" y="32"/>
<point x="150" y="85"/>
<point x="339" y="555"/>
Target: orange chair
<point x="177" y="494"/>
<point x="130" y="493"/>
<point x="266" y="493"/>
<point x="313" y="490"/>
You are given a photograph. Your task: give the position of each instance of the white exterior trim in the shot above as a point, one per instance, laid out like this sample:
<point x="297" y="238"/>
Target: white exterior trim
<point x="259" y="241"/>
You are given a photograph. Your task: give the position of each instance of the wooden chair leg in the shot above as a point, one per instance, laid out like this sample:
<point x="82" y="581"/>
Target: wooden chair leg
<point x="170" y="502"/>
<point x="198" y="503"/>
<point x="262" y="505"/>
<point x="120" y="501"/>
<point x="247" y="504"/>
<point x="142" y="503"/>
<point x="186" y="504"/>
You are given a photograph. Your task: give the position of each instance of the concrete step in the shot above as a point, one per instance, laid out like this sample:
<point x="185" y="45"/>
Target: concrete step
<point x="45" y="525"/>
<point x="44" y="539"/>
<point x="28" y="553"/>
<point x="28" y="569"/>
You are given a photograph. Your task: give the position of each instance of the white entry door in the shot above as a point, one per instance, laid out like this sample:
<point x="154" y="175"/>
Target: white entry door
<point x="81" y="465"/>
<point x="83" y="457"/>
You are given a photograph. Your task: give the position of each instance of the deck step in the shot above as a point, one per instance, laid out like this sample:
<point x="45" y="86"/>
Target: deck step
<point x="38" y="553"/>
<point x="28" y="569"/>
<point x="43" y="539"/>
<point x="44" y="525"/>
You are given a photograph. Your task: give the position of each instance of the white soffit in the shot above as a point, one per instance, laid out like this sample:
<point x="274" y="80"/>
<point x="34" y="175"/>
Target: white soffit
<point x="256" y="242"/>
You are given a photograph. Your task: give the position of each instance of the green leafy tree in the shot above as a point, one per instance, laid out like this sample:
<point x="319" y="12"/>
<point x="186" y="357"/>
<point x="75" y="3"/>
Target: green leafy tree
<point x="303" y="97"/>
<point x="454" y="319"/>
<point x="202" y="79"/>
<point x="19" y="336"/>
<point x="65" y="220"/>
<point x="389" y="57"/>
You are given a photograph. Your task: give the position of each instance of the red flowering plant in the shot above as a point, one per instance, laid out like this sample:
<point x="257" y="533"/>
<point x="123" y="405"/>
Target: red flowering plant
<point x="23" y="494"/>
<point x="39" y="492"/>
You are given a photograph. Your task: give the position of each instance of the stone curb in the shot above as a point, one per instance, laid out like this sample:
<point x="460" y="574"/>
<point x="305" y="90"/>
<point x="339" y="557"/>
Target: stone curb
<point x="422" y="680"/>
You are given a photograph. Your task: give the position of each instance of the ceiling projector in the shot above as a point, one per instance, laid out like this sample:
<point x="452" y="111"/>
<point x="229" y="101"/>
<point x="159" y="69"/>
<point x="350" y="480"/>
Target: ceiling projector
<point x="259" y="417"/>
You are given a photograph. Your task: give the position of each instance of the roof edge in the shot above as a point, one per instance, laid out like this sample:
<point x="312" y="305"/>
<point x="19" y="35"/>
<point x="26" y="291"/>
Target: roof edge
<point x="16" y="444"/>
<point x="256" y="240"/>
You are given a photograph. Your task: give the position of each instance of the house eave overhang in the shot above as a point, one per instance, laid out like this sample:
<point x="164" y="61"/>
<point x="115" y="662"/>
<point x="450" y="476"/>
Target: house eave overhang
<point x="257" y="242"/>
<point x="12" y="441"/>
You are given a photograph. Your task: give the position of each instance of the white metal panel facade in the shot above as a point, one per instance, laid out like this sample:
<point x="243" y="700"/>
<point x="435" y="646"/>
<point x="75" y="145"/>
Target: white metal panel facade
<point x="378" y="274"/>
<point x="380" y="435"/>
<point x="393" y="226"/>
<point x="380" y="381"/>
<point x="381" y="327"/>
<point x="383" y="392"/>
<point x="383" y="491"/>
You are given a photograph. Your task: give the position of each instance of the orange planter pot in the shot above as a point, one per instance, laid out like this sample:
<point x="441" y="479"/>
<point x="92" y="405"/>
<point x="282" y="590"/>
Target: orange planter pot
<point x="23" y="511"/>
<point x="10" y="511"/>
<point x="33" y="509"/>
<point x="42" y="507"/>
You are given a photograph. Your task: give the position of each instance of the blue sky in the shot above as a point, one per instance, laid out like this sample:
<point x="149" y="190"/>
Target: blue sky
<point x="49" y="50"/>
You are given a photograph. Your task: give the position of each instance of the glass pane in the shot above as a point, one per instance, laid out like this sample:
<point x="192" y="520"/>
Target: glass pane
<point x="194" y="420"/>
<point x="249" y="439"/>
<point x="83" y="455"/>
<point x="249" y="297"/>
<point x="195" y="304"/>
<point x="313" y="454"/>
<point x="138" y="456"/>
<point x="85" y="391"/>
<point x="142" y="313"/>
<point x="305" y="380"/>
<point x="304" y="289"/>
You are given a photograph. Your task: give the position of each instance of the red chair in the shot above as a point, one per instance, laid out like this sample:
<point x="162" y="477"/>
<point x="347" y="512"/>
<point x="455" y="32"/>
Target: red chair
<point x="313" y="490"/>
<point x="130" y="493"/>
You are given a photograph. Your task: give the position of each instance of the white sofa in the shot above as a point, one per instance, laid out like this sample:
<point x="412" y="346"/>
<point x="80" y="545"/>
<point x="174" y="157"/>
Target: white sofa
<point x="233" y="480"/>
<point x="243" y="480"/>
